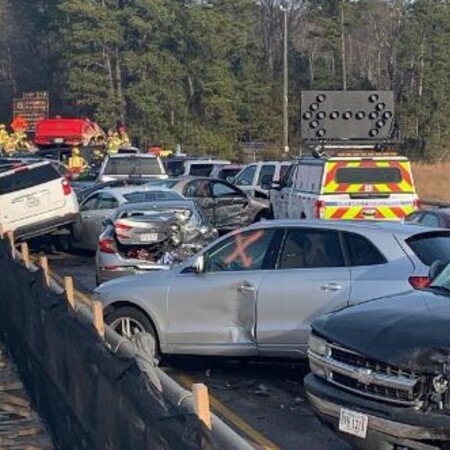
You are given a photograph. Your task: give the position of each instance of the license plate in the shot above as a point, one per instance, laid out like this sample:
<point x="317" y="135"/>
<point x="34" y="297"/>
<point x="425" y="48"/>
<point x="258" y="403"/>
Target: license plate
<point x="32" y="202"/>
<point x="59" y="140"/>
<point x="149" y="237"/>
<point x="354" y="423"/>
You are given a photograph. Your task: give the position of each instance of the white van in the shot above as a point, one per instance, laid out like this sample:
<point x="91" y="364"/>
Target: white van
<point x="35" y="199"/>
<point x="369" y="186"/>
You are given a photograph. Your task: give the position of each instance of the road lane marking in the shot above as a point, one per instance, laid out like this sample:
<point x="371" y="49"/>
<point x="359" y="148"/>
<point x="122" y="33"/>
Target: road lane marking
<point x="231" y="417"/>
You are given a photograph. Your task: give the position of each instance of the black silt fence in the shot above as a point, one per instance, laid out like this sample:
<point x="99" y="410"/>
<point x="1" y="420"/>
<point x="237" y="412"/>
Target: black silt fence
<point x="90" y="397"/>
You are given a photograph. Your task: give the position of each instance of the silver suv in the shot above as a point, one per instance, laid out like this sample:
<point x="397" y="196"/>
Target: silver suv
<point x="256" y="291"/>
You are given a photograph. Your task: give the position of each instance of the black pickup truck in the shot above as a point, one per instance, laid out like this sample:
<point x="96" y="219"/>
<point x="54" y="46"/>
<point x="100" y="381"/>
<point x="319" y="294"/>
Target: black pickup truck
<point x="380" y="371"/>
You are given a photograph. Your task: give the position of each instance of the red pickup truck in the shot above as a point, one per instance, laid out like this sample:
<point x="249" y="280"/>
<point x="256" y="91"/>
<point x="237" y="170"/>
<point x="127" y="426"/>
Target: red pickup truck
<point x="59" y="131"/>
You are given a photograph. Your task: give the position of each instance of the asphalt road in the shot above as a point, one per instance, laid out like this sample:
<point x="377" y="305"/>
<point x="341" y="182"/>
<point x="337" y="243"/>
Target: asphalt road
<point x="263" y="400"/>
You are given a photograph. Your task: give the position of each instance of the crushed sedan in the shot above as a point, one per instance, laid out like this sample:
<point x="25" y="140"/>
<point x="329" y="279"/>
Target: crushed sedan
<point x="150" y="236"/>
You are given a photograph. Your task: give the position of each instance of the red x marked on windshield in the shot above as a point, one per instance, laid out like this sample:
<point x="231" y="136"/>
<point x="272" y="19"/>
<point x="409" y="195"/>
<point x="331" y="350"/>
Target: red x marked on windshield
<point x="241" y="247"/>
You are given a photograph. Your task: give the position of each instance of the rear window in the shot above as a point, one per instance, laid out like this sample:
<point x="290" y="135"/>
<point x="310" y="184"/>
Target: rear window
<point x="368" y="175"/>
<point x="133" y="166"/>
<point x="27" y="178"/>
<point x="175" y="168"/>
<point x="431" y="247"/>
<point x="201" y="170"/>
<point x="152" y="196"/>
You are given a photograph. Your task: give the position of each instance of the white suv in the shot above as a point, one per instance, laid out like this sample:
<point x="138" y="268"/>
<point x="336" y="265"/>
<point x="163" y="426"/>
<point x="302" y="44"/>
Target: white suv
<point x="35" y="199"/>
<point x="256" y="179"/>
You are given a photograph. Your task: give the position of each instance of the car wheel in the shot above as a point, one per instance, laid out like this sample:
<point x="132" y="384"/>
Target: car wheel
<point x="64" y="243"/>
<point x="128" y="321"/>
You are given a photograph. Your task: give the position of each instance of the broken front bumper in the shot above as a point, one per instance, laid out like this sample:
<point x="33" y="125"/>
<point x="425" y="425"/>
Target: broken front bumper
<point x="389" y="427"/>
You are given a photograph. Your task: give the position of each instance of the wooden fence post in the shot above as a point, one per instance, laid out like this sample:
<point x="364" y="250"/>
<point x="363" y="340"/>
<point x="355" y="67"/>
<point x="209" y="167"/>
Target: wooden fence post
<point x="43" y="262"/>
<point x="97" y="312"/>
<point x="10" y="235"/>
<point x="201" y="403"/>
<point x="25" y="254"/>
<point x="70" y="293"/>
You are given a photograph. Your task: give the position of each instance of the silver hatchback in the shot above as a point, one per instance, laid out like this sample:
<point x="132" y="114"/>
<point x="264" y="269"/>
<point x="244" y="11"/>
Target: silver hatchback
<point x="256" y="291"/>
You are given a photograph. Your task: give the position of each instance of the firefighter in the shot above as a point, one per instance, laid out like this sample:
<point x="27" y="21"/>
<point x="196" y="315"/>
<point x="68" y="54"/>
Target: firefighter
<point x="77" y="164"/>
<point x="10" y="145"/>
<point x="4" y="136"/>
<point x="113" y="142"/>
<point x="123" y="136"/>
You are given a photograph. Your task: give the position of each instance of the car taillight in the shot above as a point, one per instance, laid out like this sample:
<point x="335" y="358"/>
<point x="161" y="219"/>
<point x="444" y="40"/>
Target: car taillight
<point x="419" y="282"/>
<point x="67" y="189"/>
<point x="319" y="209"/>
<point x="107" y="245"/>
<point x="418" y="204"/>
<point x="120" y="229"/>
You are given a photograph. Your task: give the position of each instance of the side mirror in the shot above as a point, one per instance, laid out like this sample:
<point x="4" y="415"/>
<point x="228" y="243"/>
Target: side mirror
<point x="199" y="264"/>
<point x="435" y="269"/>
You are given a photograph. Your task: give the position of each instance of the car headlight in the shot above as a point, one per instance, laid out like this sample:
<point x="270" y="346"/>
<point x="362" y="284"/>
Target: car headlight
<point x="317" y="345"/>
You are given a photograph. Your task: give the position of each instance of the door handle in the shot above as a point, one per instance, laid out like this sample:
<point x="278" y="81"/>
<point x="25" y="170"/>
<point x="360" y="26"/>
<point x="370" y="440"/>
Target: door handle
<point x="331" y="287"/>
<point x="246" y="289"/>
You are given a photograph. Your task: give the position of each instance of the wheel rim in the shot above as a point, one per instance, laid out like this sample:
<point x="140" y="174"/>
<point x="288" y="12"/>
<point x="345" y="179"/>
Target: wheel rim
<point x="127" y="327"/>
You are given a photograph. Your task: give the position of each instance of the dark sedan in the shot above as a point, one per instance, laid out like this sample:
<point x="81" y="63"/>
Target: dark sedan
<point x="226" y="206"/>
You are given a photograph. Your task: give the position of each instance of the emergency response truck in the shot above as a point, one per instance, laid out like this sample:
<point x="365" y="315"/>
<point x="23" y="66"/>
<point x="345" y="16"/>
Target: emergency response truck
<point x="353" y="171"/>
<point x="352" y="184"/>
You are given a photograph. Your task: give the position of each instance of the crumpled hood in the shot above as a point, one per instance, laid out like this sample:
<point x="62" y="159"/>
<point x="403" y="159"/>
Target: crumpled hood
<point x="409" y="330"/>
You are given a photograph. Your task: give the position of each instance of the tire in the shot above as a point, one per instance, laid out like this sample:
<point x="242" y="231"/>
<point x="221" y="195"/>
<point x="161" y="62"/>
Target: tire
<point x="137" y="318"/>
<point x="64" y="243"/>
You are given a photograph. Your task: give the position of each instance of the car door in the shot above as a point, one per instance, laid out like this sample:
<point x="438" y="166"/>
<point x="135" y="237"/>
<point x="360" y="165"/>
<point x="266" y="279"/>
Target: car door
<point x="231" y="206"/>
<point x="280" y="198"/>
<point x="106" y="206"/>
<point x="200" y="191"/>
<point x="311" y="278"/>
<point x="79" y="230"/>
<point x="378" y="265"/>
<point x="214" y="312"/>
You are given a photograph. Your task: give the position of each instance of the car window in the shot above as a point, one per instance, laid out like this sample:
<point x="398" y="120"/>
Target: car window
<point x="429" y="220"/>
<point x="245" y="178"/>
<point x="306" y="248"/>
<point x="200" y="170"/>
<point x="133" y="166"/>
<point x="431" y="247"/>
<point x="361" y="252"/>
<point x="249" y="250"/>
<point x="175" y="168"/>
<point x="413" y="217"/>
<point x="224" y="190"/>
<point x="288" y="177"/>
<point x="267" y="170"/>
<point x="198" y="189"/>
<point x="152" y="196"/>
<point x="283" y="170"/>
<point x="27" y="177"/>
<point x="90" y="203"/>
<point x="107" y="201"/>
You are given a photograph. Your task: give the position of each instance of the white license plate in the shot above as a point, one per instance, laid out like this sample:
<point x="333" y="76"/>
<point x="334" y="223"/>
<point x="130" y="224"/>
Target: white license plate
<point x="33" y="202"/>
<point x="59" y="140"/>
<point x="354" y="423"/>
<point x="149" y="237"/>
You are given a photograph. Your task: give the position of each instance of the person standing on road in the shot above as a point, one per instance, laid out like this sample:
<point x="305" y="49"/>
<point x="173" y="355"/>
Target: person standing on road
<point x="76" y="163"/>
<point x="4" y="136"/>
<point x="113" y="142"/>
<point x="123" y="136"/>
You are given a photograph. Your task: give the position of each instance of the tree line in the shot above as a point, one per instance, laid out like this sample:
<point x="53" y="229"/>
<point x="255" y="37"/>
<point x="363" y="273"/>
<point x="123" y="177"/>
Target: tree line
<point x="209" y="74"/>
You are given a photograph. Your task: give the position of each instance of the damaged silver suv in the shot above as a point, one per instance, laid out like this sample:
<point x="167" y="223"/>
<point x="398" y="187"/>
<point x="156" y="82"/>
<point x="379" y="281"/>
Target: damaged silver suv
<point x="381" y="369"/>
